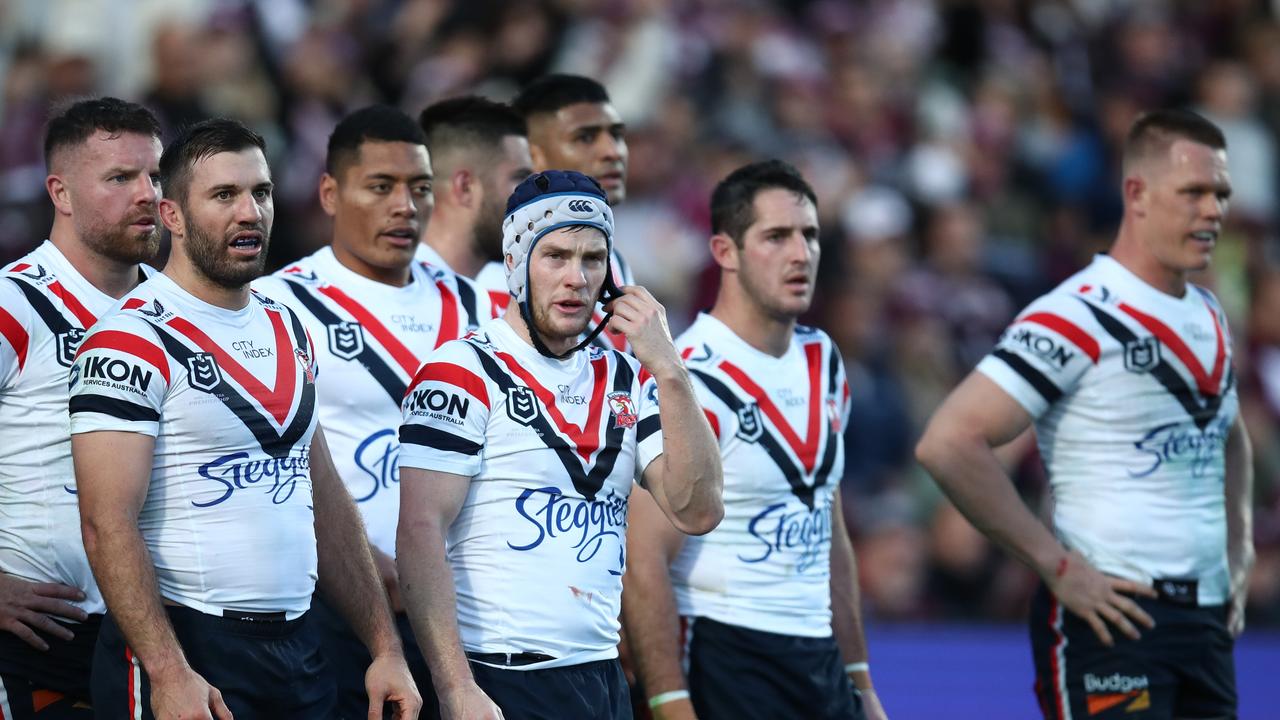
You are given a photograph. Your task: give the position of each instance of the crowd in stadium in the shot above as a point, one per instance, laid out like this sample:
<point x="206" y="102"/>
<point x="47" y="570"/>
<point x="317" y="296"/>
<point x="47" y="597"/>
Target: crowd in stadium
<point x="965" y="155"/>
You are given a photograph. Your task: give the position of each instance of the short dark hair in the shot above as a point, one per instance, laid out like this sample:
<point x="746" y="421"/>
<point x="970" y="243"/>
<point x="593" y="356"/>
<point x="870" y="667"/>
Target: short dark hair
<point x="76" y="121"/>
<point x="469" y="122"/>
<point x="377" y="123"/>
<point x="198" y="142"/>
<point x="1154" y="131"/>
<point x="549" y="93"/>
<point x="733" y="200"/>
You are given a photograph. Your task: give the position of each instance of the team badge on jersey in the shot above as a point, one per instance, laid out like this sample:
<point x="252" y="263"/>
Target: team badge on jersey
<point x="346" y="340"/>
<point x="305" y="362"/>
<point x="68" y="343"/>
<point x="624" y="411"/>
<point x="750" y="426"/>
<point x="522" y="405"/>
<point x="833" y="414"/>
<point x="202" y="372"/>
<point x="1141" y="354"/>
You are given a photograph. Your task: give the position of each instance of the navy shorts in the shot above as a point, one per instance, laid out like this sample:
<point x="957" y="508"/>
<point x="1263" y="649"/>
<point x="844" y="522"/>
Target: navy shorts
<point x="590" y="691"/>
<point x="735" y="672"/>
<point x="51" y="684"/>
<point x="1183" y="669"/>
<point x="265" y="669"/>
<point x="348" y="660"/>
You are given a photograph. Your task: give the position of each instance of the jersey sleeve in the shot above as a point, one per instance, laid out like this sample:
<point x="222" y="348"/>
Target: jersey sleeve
<point x="446" y="413"/>
<point x="1043" y="354"/>
<point x="119" y="379"/>
<point x="649" y="429"/>
<point x="15" y="332"/>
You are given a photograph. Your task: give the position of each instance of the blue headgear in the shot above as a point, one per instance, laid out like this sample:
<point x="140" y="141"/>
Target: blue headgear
<point x="544" y="202"/>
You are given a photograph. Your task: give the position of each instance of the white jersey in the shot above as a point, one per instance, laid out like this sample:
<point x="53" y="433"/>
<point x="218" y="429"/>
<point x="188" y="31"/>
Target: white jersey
<point x="371" y="338"/>
<point x="768" y="565"/>
<point x="552" y="448"/>
<point x="1133" y="393"/>
<point x="230" y="398"/>
<point x="45" y="308"/>
<point x="493" y="279"/>
<point x="495" y="302"/>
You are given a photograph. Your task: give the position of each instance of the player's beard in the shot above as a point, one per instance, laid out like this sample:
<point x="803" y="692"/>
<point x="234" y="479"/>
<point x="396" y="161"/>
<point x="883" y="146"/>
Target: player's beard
<point x="542" y="324"/>
<point x="487" y="234"/>
<point x="121" y="242"/>
<point x="755" y="288"/>
<point x="210" y="255"/>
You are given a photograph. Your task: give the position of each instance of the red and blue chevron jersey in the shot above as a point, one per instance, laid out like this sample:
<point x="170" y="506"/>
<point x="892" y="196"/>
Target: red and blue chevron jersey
<point x="552" y="448"/>
<point x="1133" y="395"/>
<point x="371" y="338"/>
<point x="778" y="421"/>
<point x="45" y="308"/>
<point x="229" y="396"/>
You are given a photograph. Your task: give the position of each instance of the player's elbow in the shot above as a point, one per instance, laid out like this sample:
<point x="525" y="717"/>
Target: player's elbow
<point x="703" y="518"/>
<point x="939" y="445"/>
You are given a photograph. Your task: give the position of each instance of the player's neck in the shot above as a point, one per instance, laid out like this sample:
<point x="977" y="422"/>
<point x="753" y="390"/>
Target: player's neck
<point x="395" y="277"/>
<point x="112" y="277"/>
<point x="1129" y="251"/>
<point x="454" y="245"/>
<point x="769" y="334"/>
<point x="185" y="275"/>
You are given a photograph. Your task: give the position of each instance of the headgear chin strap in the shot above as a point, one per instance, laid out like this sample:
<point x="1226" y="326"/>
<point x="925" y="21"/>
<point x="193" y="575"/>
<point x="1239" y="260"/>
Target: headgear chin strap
<point x="544" y="202"/>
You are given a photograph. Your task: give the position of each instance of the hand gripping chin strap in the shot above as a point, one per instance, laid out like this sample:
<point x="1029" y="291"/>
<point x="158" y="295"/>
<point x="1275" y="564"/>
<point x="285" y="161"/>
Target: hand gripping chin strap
<point x="608" y="291"/>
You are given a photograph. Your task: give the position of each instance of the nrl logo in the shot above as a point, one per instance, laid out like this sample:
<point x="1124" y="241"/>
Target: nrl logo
<point x="1141" y="355"/>
<point x="203" y="373"/>
<point x="68" y="343"/>
<point x="346" y="340"/>
<point x="522" y="405"/>
<point x="624" y="411"/>
<point x="750" y="426"/>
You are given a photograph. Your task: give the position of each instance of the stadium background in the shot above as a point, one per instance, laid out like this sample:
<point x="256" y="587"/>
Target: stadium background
<point x="965" y="157"/>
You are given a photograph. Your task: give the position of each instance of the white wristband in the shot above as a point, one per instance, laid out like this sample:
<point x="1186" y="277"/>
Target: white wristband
<point x="857" y="667"/>
<point x="666" y="697"/>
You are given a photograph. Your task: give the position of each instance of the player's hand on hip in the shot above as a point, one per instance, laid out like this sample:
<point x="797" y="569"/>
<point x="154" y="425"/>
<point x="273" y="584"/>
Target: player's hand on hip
<point x="643" y="320"/>
<point x="1098" y="598"/>
<point x="468" y="702"/>
<point x="184" y="695"/>
<point x="388" y="680"/>
<point x="26" y="607"/>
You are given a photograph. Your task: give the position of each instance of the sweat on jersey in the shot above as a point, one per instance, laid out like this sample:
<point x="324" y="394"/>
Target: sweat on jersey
<point x="551" y="447"/>
<point x="45" y="308"/>
<point x="229" y="396"/>
<point x="371" y="338"/>
<point x="493" y="278"/>
<point x="778" y="421"/>
<point x="1133" y="394"/>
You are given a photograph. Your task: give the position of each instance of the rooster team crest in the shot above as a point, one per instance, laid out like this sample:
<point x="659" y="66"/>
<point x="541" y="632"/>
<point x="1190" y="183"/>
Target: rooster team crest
<point x="833" y="414"/>
<point x="624" y="410"/>
<point x="305" y="362"/>
<point x="346" y="340"/>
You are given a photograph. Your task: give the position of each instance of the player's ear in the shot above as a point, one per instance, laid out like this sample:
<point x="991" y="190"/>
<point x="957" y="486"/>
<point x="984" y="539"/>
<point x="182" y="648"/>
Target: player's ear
<point x="539" y="158"/>
<point x="329" y="194"/>
<point x="1136" y="192"/>
<point x="724" y="250"/>
<point x="171" y="216"/>
<point x="58" y="193"/>
<point x="465" y="189"/>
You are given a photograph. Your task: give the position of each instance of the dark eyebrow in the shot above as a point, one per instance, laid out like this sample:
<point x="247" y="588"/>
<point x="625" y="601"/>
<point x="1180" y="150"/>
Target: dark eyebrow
<point x="395" y="178"/>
